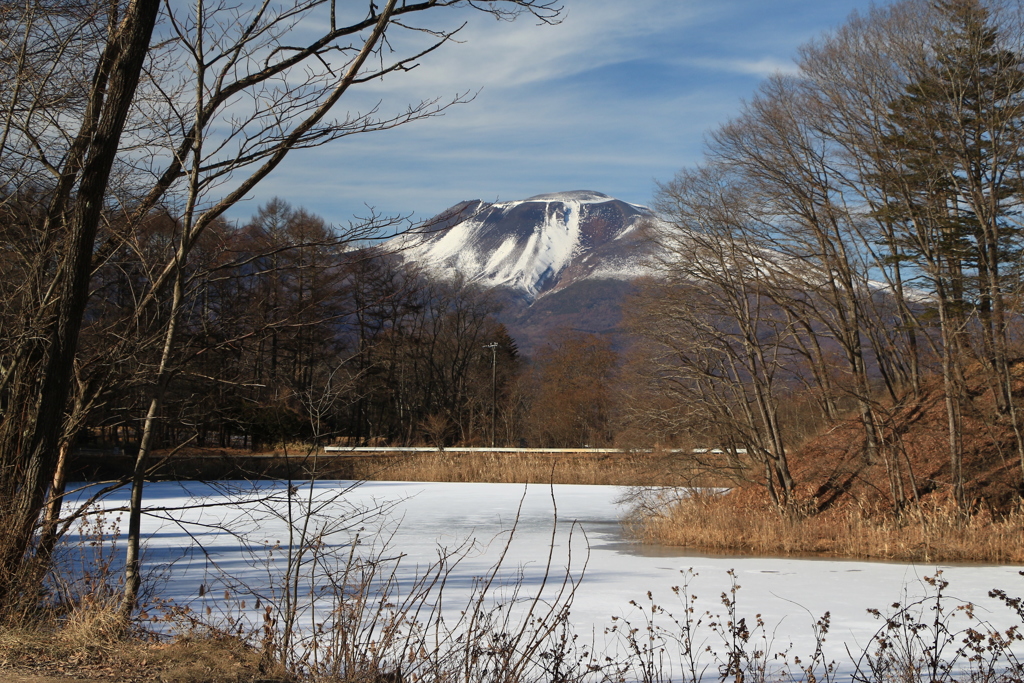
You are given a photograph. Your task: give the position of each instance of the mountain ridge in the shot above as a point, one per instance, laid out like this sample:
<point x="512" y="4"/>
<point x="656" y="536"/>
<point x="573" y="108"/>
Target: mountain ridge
<point x="533" y="246"/>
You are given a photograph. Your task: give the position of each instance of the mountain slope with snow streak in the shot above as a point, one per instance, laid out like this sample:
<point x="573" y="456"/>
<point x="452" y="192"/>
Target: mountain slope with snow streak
<point x="534" y="246"/>
<point x="570" y="260"/>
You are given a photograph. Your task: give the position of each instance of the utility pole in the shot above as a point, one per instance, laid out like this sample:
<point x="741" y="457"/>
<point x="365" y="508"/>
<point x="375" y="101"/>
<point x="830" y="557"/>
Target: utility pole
<point x="493" y="346"/>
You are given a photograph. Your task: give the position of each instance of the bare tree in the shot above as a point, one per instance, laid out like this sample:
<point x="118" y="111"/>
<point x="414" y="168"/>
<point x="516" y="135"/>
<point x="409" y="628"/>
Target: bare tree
<point x="40" y="364"/>
<point x="787" y="164"/>
<point x="573" y="401"/>
<point x="931" y="132"/>
<point x="722" y="347"/>
<point x="893" y="155"/>
<point x="192" y="122"/>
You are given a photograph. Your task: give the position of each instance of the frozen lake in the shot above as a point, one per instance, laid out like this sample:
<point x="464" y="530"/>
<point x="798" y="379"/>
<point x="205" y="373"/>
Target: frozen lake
<point x="220" y="537"/>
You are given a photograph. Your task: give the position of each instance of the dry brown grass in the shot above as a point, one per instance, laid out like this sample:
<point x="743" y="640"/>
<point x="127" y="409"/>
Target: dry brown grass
<point x="72" y="630"/>
<point x="613" y="469"/>
<point x="39" y="654"/>
<point x="743" y="525"/>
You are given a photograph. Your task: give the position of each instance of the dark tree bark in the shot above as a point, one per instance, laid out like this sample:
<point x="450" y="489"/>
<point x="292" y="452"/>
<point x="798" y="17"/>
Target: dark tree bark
<point x="35" y="455"/>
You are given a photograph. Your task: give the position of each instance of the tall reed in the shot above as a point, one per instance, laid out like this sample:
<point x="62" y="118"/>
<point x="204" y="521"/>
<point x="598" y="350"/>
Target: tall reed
<point x="726" y="524"/>
<point x="626" y="469"/>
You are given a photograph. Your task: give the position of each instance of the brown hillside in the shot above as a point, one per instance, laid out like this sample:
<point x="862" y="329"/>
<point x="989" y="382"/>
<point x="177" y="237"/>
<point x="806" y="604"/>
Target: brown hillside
<point x="834" y="472"/>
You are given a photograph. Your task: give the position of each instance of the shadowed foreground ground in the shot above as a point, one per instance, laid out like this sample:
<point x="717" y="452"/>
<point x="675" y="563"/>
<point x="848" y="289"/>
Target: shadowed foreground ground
<point x="41" y="659"/>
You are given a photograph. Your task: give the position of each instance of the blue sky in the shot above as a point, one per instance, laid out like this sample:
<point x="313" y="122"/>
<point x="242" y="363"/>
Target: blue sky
<point x="617" y="96"/>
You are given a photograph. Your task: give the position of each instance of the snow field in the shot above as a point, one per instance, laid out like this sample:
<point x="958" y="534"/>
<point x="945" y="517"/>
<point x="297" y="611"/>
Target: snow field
<point x="236" y="542"/>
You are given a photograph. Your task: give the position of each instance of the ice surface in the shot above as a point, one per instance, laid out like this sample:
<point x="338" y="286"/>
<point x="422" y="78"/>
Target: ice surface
<point x="418" y="518"/>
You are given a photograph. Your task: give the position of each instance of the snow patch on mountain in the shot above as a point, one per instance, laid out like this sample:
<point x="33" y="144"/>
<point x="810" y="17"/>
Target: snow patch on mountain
<point x="501" y="255"/>
<point x="625" y="269"/>
<point x="548" y="250"/>
<point x="576" y="197"/>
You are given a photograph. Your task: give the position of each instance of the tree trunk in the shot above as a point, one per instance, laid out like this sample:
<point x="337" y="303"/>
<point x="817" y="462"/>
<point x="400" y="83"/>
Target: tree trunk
<point x="126" y="51"/>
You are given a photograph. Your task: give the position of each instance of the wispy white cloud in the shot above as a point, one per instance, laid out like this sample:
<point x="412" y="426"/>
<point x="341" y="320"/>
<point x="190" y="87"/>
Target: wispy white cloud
<point x="617" y="95"/>
<point x="766" y="66"/>
<point x="593" y="34"/>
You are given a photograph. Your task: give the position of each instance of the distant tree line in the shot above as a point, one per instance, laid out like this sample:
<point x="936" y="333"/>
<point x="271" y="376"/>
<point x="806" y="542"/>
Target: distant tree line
<point x="854" y="229"/>
<point x="288" y="332"/>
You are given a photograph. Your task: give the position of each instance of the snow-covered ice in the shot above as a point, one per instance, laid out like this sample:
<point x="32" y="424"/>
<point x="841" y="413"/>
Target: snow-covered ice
<point x="418" y="518"/>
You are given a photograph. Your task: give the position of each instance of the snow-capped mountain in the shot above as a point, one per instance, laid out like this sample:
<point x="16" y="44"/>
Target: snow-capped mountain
<point x="567" y="260"/>
<point x="535" y="246"/>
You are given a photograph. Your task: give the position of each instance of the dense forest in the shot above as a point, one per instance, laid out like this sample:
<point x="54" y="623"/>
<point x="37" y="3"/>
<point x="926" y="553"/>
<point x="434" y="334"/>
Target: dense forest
<point x="288" y="333"/>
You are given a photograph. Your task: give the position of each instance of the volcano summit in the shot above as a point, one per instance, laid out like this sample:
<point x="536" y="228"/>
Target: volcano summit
<point x="535" y="246"/>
